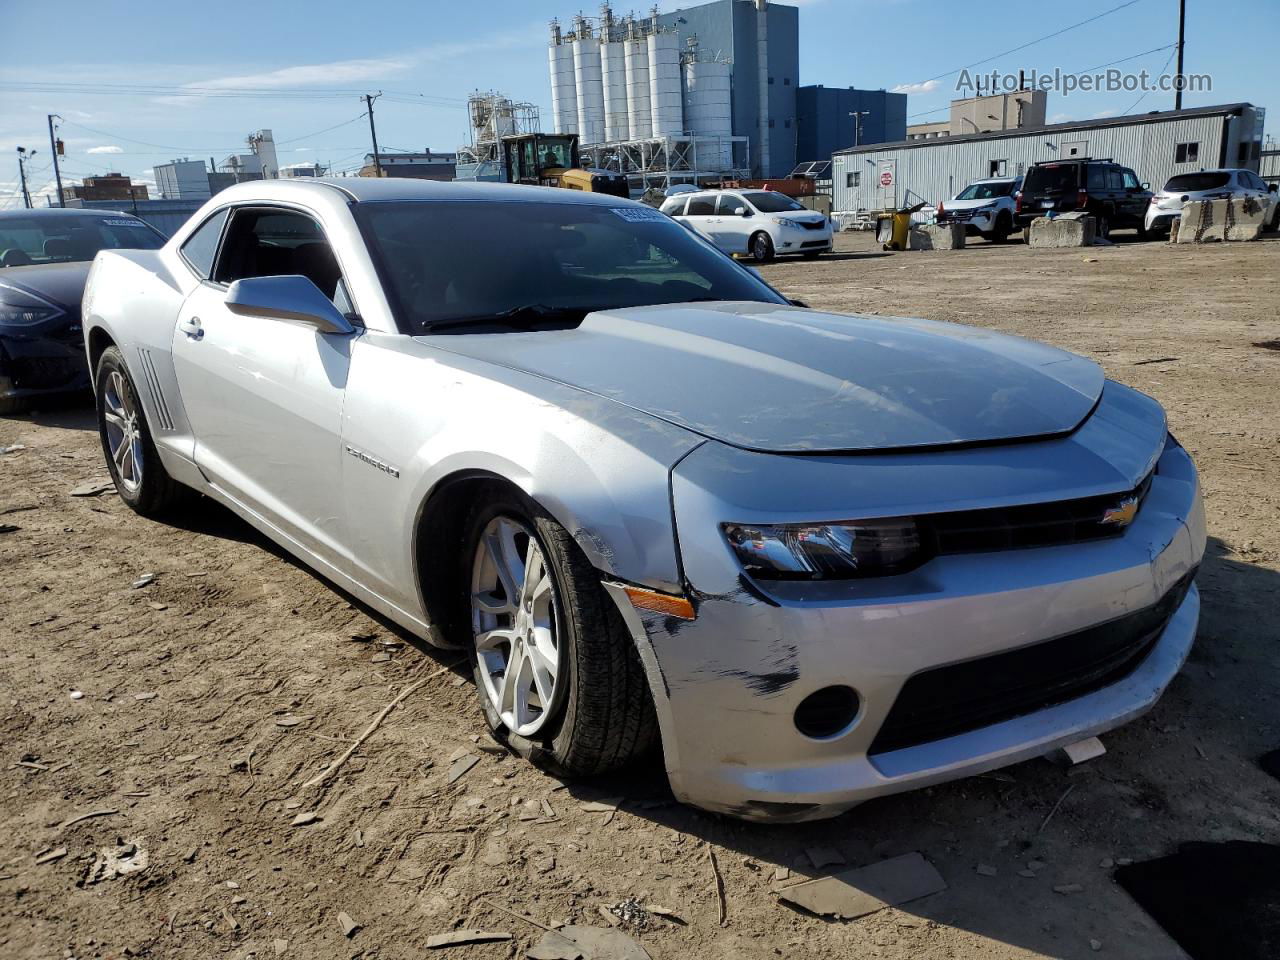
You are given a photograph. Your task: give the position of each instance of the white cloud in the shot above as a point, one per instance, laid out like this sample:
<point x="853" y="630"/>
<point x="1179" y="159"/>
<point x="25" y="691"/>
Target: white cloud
<point x="1103" y="114"/>
<point x="109" y="148"/>
<point x="340" y="71"/>
<point x="927" y="87"/>
<point x="1061" y="118"/>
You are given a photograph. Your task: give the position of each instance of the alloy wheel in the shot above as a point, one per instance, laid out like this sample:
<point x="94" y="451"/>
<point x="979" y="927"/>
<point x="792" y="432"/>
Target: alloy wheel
<point x="123" y="427"/>
<point x="515" y="623"/>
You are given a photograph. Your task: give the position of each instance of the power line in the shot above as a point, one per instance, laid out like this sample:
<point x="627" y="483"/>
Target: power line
<point x="1101" y="66"/>
<point x="1163" y="70"/>
<point x="319" y="132"/>
<point x="1032" y="43"/>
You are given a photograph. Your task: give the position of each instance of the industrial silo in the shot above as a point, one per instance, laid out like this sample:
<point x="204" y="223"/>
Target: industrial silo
<point x="590" y="85"/>
<point x="613" y="68"/>
<point x="635" y="51"/>
<point x="665" y="99"/>
<point x="708" y="110"/>
<point x="564" y="97"/>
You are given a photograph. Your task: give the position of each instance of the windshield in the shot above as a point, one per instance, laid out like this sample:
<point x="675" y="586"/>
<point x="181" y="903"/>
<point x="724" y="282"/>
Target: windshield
<point x="451" y="260"/>
<point x="55" y="238"/>
<point x="1052" y="179"/>
<point x="1194" y="182"/>
<point x="985" y="191"/>
<point x="769" y="201"/>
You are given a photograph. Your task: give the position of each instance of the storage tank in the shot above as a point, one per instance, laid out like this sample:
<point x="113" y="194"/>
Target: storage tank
<point x="590" y="85"/>
<point x="613" y="69"/>
<point x="708" y="110"/>
<point x="564" y="97"/>
<point x="665" y="101"/>
<point x="635" y="52"/>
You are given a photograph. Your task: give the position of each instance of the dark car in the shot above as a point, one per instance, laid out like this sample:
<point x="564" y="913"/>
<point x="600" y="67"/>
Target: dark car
<point x="1110" y="192"/>
<point x="45" y="257"/>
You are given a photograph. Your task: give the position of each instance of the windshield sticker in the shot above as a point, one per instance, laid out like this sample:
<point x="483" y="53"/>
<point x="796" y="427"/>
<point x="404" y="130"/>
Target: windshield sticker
<point x="124" y="223"/>
<point x="639" y="214"/>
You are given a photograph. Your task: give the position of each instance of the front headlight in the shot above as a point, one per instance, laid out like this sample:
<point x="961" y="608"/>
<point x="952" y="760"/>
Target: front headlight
<point x="827" y="551"/>
<point x="21" y="309"/>
<point x="788" y="222"/>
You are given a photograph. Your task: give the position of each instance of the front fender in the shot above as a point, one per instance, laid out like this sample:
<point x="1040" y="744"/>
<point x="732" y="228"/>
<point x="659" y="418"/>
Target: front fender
<point x="416" y="417"/>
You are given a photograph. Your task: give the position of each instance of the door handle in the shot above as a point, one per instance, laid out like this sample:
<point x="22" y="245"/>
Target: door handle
<point x="191" y="327"/>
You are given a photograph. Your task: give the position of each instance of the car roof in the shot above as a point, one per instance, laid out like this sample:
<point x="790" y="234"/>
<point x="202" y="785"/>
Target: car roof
<point x="54" y="213"/>
<point x="375" y="190"/>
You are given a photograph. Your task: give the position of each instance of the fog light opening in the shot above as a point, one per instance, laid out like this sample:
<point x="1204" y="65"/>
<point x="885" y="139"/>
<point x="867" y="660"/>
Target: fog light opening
<point x="827" y="712"/>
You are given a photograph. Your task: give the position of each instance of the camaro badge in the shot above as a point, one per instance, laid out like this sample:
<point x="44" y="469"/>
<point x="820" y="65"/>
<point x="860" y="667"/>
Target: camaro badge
<point x="373" y="462"/>
<point x="1122" y="514"/>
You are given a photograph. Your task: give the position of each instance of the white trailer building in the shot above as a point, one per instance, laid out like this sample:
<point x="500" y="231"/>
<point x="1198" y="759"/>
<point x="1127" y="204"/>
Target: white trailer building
<point x="1155" y="145"/>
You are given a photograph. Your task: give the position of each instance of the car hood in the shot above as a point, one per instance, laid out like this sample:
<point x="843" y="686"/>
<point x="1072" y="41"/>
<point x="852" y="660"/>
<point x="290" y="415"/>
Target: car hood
<point x="62" y="284"/>
<point x="970" y="204"/>
<point x="778" y="378"/>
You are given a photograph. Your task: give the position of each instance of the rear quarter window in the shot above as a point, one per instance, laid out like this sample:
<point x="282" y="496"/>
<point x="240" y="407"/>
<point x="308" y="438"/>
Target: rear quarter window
<point x="701" y="207"/>
<point x="1057" y="178"/>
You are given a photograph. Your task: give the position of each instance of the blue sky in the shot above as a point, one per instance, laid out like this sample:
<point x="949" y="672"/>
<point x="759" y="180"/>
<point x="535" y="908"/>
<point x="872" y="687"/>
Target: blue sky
<point x="139" y="84"/>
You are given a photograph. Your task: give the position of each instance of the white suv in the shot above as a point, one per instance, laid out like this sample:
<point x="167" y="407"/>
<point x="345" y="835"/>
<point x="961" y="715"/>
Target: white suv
<point x="985" y="207"/>
<point x="761" y="223"/>
<point x="1166" y="206"/>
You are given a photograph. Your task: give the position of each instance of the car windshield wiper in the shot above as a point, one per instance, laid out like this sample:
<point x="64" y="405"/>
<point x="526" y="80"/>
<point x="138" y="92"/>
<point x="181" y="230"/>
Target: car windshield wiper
<point x="523" y="316"/>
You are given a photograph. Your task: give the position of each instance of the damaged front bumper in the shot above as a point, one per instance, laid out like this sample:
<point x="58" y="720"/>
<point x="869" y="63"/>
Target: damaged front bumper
<point x="728" y="684"/>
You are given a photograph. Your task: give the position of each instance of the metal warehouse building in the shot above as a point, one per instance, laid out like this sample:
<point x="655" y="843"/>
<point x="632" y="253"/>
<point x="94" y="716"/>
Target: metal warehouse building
<point x="1156" y="145"/>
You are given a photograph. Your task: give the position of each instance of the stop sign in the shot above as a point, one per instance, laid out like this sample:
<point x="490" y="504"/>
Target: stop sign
<point x="886" y="178"/>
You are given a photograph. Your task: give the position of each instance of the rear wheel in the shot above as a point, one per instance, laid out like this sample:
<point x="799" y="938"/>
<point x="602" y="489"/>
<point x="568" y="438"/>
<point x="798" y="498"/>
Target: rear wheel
<point x="1104" y="227"/>
<point x="557" y="674"/>
<point x="132" y="460"/>
<point x="761" y="247"/>
<point x="14" y="405"/>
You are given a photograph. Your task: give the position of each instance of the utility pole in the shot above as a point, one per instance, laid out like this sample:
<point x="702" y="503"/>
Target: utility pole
<point x="373" y="133"/>
<point x="23" y="157"/>
<point x="857" y="125"/>
<point x="1182" y="47"/>
<point x="54" y="144"/>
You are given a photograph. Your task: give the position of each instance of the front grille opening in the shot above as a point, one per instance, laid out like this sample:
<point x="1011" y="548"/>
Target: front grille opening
<point x="1035" y="525"/>
<point x="947" y="701"/>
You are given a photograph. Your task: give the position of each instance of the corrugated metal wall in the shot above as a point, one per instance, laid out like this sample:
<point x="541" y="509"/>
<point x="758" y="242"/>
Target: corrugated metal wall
<point x="941" y="169"/>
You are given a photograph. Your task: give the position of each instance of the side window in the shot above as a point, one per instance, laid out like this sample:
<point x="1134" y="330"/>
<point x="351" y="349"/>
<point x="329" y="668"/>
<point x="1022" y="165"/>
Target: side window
<point x="703" y="206"/>
<point x="673" y="206"/>
<point x="202" y="245"/>
<point x="1130" y="179"/>
<point x="1097" y="178"/>
<point x="728" y="203"/>
<point x="277" y="243"/>
<point x="1115" y="181"/>
<point x="1187" y="152"/>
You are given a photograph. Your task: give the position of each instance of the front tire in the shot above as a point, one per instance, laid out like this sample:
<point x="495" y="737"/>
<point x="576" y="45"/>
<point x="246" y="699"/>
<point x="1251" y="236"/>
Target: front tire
<point x="135" y="467"/>
<point x="761" y="247"/>
<point x="1002" y="229"/>
<point x="557" y="674"/>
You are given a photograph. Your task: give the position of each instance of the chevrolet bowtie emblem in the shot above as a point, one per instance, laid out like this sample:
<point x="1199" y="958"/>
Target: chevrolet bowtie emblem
<point x="1122" y="514"/>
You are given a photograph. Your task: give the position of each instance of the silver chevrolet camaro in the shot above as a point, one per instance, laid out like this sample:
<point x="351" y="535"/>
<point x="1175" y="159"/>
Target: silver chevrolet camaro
<point x="816" y="558"/>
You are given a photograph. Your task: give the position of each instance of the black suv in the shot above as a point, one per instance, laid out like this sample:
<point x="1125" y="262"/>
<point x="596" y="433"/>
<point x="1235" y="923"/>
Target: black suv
<point x="1103" y="188"/>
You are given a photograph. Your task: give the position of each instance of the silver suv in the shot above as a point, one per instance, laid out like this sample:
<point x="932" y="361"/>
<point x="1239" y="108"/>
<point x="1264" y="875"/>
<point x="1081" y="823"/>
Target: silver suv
<point x="1166" y="206"/>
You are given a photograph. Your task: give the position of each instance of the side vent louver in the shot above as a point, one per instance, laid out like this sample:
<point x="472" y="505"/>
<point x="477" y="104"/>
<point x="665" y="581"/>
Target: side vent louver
<point x="153" y="388"/>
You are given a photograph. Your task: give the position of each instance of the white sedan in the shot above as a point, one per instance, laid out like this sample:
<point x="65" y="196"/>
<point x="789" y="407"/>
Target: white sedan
<point x="819" y="558"/>
<point x="758" y="223"/>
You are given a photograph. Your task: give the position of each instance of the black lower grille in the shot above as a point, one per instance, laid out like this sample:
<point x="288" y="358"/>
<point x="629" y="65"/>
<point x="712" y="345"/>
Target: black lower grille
<point x="1035" y="525"/>
<point x="811" y="244"/>
<point x="955" y="699"/>
<point x="813" y="224"/>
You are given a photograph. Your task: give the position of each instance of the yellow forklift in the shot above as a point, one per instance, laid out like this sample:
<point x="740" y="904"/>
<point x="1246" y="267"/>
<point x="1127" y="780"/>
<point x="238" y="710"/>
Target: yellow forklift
<point x="552" y="160"/>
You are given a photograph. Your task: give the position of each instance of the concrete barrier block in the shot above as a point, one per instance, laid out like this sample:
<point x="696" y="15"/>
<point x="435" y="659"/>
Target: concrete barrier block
<point x="1204" y="221"/>
<point x="936" y="236"/>
<point x="1061" y="232"/>
<point x="1246" y="218"/>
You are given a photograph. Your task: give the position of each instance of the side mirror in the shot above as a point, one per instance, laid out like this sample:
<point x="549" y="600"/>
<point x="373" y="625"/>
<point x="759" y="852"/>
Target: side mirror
<point x="293" y="298"/>
<point x="1274" y="187"/>
<point x="741" y="212"/>
<point x="1146" y="186"/>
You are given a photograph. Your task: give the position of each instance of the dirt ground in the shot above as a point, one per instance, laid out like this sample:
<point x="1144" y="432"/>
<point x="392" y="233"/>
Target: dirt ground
<point x="208" y="697"/>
